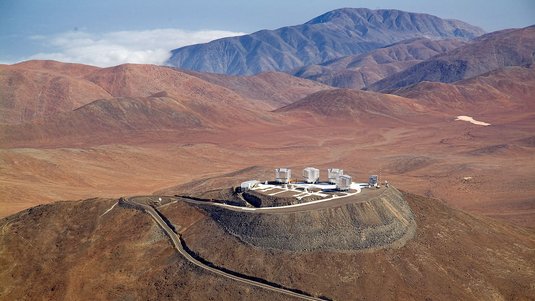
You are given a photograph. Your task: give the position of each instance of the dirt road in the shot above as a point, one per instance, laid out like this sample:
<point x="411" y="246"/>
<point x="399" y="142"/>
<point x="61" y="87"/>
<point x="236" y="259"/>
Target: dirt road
<point x="179" y="246"/>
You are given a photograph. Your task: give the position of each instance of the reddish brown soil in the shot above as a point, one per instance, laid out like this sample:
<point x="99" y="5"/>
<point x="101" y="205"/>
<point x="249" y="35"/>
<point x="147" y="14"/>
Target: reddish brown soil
<point x="275" y="89"/>
<point x="413" y="142"/>
<point x="28" y="94"/>
<point x="454" y="255"/>
<point x="73" y="251"/>
<point x="69" y="251"/>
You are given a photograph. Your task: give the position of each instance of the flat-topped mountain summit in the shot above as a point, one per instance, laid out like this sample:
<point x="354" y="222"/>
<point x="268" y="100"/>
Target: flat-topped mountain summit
<point x="102" y="250"/>
<point x="370" y="220"/>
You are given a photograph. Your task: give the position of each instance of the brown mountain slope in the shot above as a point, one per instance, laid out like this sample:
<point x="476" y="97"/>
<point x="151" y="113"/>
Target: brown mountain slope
<point x="68" y="69"/>
<point x="80" y="254"/>
<point x="131" y="80"/>
<point x="146" y="101"/>
<point x="454" y="255"/>
<point x="432" y="157"/>
<point x="509" y="89"/>
<point x="342" y="105"/>
<point x="33" y="90"/>
<point x="128" y="120"/>
<point x="84" y="251"/>
<point x="359" y="71"/>
<point x="216" y="102"/>
<point x="511" y="47"/>
<point x="108" y="120"/>
<point x="276" y="89"/>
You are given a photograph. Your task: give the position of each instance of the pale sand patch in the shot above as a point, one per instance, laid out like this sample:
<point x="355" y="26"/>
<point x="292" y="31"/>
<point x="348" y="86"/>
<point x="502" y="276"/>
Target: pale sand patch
<point x="472" y="120"/>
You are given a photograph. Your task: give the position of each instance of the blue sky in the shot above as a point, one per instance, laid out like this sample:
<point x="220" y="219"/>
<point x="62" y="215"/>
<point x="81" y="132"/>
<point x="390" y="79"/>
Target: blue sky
<point x="111" y="32"/>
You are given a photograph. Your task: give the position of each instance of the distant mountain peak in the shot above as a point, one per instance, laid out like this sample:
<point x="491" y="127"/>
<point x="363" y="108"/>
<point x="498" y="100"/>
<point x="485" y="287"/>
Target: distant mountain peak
<point x="355" y="14"/>
<point x="341" y="32"/>
<point x="338" y="14"/>
<point x="393" y="18"/>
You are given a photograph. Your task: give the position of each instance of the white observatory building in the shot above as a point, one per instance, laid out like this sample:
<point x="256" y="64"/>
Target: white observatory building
<point x="344" y="182"/>
<point x="333" y="174"/>
<point x="283" y="175"/>
<point x="311" y="175"/>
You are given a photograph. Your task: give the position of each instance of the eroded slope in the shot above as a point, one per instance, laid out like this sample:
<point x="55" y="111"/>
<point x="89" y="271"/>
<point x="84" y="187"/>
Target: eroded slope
<point x="370" y="220"/>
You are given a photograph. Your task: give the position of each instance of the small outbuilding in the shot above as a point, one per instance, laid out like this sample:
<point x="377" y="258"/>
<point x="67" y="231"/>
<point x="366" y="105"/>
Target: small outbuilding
<point x="283" y="175"/>
<point x="247" y="185"/>
<point x="344" y="182"/>
<point x="333" y="174"/>
<point x="311" y="175"/>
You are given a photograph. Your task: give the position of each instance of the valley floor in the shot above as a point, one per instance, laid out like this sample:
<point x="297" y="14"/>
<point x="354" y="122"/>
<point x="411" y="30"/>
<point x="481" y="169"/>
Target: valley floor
<point x="490" y="170"/>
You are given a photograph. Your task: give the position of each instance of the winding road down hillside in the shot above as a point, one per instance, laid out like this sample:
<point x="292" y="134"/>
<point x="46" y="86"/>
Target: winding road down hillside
<point x="181" y="248"/>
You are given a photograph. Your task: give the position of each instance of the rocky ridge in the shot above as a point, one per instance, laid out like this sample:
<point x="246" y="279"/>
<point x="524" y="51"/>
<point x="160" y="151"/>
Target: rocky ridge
<point x="382" y="219"/>
<point x="338" y="33"/>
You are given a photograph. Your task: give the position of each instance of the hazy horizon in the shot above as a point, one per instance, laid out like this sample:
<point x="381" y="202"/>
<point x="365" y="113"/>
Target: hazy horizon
<point x="106" y="34"/>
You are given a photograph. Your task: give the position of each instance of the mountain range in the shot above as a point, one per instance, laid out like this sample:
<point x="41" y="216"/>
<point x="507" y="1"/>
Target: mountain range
<point x="129" y="100"/>
<point x="360" y="71"/>
<point x="436" y="107"/>
<point x="332" y="35"/>
<point x="511" y="47"/>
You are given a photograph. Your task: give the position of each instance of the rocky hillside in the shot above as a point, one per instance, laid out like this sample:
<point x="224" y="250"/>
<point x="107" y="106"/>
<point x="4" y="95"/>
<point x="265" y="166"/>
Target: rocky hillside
<point x="92" y="250"/>
<point x="454" y="255"/>
<point x="332" y="35"/>
<point x="36" y="89"/>
<point x="508" y="89"/>
<point x="506" y="48"/>
<point x="274" y="89"/>
<point x="345" y="105"/>
<point x="47" y="101"/>
<point x="360" y="71"/>
<point x="381" y="219"/>
<point x="80" y="252"/>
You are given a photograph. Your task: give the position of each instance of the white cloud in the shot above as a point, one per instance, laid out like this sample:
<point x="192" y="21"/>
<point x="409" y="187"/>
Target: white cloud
<point x="119" y="47"/>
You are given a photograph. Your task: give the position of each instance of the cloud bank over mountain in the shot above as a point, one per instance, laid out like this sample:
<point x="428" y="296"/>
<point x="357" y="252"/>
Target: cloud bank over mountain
<point x="118" y="47"/>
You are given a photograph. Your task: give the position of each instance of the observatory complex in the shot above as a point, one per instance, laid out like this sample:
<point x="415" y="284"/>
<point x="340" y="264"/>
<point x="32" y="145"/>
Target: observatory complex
<point x="336" y="185"/>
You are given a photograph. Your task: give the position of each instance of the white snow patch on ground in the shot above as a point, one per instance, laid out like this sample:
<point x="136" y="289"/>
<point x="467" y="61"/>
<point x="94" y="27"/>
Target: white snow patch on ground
<point x="471" y="120"/>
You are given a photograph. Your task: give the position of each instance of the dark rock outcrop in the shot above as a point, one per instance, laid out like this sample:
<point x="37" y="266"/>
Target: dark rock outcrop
<point x="382" y="220"/>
